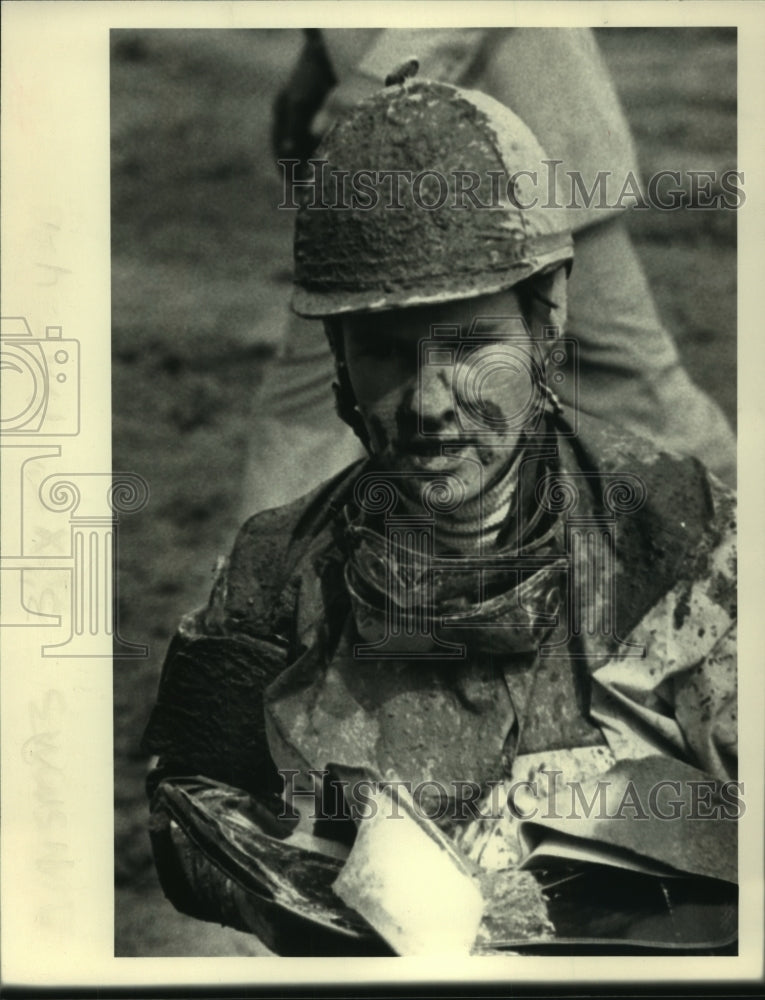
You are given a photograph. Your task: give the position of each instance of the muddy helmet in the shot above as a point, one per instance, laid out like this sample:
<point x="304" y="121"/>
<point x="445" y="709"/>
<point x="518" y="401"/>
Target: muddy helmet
<point x="422" y="193"/>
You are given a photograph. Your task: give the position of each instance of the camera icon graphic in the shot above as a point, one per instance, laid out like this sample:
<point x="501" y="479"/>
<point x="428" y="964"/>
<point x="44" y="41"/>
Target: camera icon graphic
<point x="500" y="378"/>
<point x="40" y="379"/>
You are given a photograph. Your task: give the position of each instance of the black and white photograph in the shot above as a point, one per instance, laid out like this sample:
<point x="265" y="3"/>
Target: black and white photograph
<point x="411" y="571"/>
<point x="515" y="262"/>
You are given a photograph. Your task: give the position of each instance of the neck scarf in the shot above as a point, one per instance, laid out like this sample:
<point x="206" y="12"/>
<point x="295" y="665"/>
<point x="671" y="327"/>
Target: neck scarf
<point x="492" y="581"/>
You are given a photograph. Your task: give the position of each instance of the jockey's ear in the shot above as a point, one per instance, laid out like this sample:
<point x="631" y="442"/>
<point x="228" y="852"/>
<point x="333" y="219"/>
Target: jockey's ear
<point x="345" y="401"/>
<point x="544" y="303"/>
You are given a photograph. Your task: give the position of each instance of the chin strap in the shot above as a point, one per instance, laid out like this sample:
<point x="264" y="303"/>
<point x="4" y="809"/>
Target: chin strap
<point x="553" y="399"/>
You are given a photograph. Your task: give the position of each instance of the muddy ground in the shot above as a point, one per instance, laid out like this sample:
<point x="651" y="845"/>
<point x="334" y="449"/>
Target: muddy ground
<point x="199" y="260"/>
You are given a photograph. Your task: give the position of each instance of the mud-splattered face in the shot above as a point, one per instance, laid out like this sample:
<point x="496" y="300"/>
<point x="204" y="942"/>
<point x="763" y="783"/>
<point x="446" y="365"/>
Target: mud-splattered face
<point x="433" y="401"/>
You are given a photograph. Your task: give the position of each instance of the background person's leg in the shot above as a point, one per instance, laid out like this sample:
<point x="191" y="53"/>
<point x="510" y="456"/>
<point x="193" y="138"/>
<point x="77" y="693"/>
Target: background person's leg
<point x="630" y="372"/>
<point x="297" y="438"/>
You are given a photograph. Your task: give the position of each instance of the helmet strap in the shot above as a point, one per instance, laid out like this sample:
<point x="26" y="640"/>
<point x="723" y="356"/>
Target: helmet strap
<point x="554" y="400"/>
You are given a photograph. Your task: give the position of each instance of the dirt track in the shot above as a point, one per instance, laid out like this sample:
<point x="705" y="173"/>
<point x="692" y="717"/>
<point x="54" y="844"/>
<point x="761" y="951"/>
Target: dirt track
<point x="196" y="252"/>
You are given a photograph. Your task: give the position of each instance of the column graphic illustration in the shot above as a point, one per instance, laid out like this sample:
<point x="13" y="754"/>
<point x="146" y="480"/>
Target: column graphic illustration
<point x="590" y="540"/>
<point x="56" y="570"/>
<point x="94" y="503"/>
